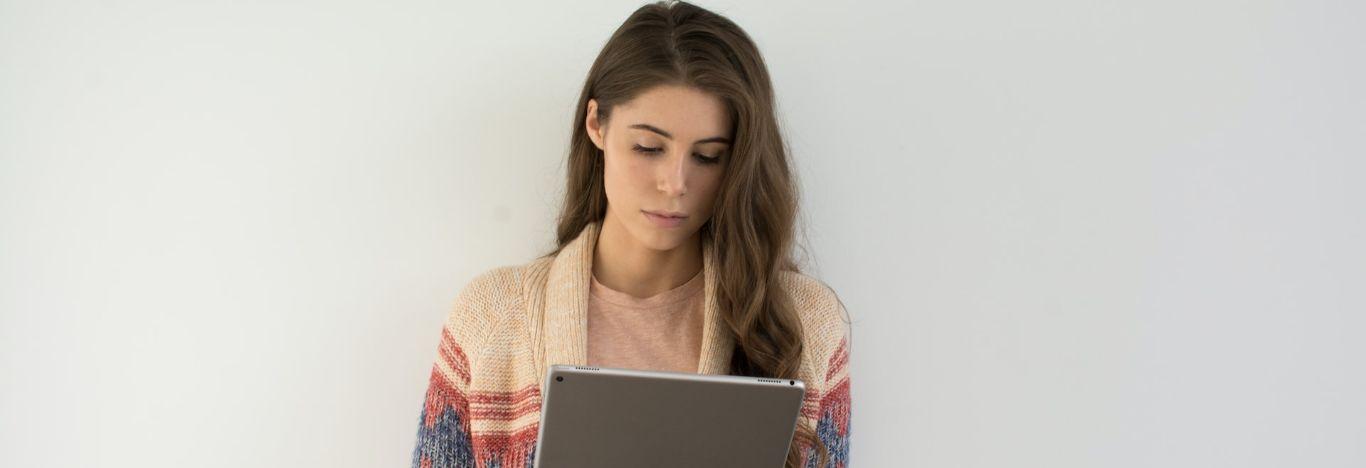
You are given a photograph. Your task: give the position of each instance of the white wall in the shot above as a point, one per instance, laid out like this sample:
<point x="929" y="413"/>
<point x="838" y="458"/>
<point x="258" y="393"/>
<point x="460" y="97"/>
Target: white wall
<point x="1071" y="234"/>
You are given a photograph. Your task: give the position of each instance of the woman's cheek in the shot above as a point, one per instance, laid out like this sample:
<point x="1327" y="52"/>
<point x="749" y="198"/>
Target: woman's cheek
<point x="612" y="177"/>
<point x="641" y="174"/>
<point x="707" y="201"/>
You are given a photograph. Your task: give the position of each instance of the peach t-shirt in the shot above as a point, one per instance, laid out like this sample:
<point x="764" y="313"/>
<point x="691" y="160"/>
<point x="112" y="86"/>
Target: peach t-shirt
<point x="660" y="332"/>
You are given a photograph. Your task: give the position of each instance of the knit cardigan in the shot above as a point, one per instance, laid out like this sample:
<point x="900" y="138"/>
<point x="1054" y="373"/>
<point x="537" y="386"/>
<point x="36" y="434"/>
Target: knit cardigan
<point x="511" y="323"/>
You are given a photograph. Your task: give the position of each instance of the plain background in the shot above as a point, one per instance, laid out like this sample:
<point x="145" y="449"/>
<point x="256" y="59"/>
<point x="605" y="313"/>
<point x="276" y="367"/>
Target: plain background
<point x="1069" y="233"/>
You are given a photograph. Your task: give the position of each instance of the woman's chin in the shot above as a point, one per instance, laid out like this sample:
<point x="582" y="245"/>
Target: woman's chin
<point x="663" y="240"/>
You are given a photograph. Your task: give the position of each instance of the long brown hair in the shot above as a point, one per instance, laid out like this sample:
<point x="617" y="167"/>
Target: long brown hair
<point x="678" y="43"/>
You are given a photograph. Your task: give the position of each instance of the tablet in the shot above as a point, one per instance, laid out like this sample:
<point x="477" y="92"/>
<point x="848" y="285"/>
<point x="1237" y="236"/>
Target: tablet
<point x="603" y="417"/>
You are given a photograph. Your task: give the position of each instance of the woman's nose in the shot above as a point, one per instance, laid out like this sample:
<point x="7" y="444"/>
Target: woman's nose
<point x="673" y="180"/>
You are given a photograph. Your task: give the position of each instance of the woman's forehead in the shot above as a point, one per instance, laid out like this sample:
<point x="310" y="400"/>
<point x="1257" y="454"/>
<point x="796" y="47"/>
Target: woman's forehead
<point x="681" y="112"/>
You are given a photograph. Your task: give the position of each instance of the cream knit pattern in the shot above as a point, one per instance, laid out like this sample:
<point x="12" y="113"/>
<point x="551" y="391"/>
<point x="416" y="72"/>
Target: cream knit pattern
<point x="511" y="323"/>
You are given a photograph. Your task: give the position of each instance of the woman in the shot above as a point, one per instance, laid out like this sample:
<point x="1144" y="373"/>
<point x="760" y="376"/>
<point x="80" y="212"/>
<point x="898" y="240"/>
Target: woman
<point x="673" y="254"/>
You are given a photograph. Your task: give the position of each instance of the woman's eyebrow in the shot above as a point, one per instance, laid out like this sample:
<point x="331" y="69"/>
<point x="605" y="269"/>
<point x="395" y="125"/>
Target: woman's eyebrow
<point x="655" y="129"/>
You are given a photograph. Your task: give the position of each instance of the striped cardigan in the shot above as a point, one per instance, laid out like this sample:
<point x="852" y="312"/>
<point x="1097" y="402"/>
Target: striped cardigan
<point x="509" y="324"/>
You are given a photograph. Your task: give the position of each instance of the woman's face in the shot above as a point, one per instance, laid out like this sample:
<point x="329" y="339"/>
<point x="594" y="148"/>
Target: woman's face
<point x="664" y="153"/>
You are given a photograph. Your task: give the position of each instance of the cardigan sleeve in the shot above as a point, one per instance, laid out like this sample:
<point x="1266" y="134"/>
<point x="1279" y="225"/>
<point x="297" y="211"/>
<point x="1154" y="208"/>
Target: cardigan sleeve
<point x="443" y="433"/>
<point x="827" y="331"/>
<point x="833" y="411"/>
<point x="833" y="426"/>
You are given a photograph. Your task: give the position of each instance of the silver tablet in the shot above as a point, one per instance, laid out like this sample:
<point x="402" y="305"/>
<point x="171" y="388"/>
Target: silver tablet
<point x="602" y="417"/>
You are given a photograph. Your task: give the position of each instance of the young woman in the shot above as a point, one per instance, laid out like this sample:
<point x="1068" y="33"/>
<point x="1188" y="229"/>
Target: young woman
<point x="673" y="254"/>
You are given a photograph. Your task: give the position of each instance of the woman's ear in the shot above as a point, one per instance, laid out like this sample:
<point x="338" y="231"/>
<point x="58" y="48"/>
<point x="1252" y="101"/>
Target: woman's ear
<point x="591" y="124"/>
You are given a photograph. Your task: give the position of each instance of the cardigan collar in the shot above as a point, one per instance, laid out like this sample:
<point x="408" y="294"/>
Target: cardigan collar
<point x="565" y="313"/>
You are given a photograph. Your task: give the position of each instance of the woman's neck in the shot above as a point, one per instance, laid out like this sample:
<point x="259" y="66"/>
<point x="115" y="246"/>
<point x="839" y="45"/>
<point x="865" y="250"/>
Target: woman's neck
<point x="622" y="263"/>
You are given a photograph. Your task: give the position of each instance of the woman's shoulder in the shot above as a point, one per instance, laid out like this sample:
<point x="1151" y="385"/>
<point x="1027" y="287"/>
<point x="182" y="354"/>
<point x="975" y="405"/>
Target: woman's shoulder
<point x="825" y="322"/>
<point x="488" y="297"/>
<point x="506" y="282"/>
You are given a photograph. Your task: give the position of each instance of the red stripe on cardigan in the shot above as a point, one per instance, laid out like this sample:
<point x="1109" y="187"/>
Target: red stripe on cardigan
<point x="441" y="394"/>
<point x="509" y="448"/>
<point x="503" y="406"/>
<point x="838" y="361"/>
<point x="505" y="398"/>
<point x="837" y="402"/>
<point x="454" y="357"/>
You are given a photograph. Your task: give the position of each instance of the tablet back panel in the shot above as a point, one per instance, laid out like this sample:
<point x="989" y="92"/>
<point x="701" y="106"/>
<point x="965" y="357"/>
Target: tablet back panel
<point x="602" y="417"/>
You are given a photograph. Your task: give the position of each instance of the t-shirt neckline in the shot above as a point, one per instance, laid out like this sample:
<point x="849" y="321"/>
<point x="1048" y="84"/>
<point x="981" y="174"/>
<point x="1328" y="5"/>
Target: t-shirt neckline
<point x="673" y="296"/>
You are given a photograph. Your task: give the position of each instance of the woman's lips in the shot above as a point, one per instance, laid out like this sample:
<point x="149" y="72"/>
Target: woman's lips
<point x="664" y="221"/>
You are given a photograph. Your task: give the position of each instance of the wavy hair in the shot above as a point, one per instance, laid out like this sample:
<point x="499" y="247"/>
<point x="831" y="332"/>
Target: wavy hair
<point x="678" y="43"/>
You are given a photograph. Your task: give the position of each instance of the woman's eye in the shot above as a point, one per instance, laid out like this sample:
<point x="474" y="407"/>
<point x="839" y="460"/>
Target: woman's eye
<point x="704" y="159"/>
<point x="645" y="149"/>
